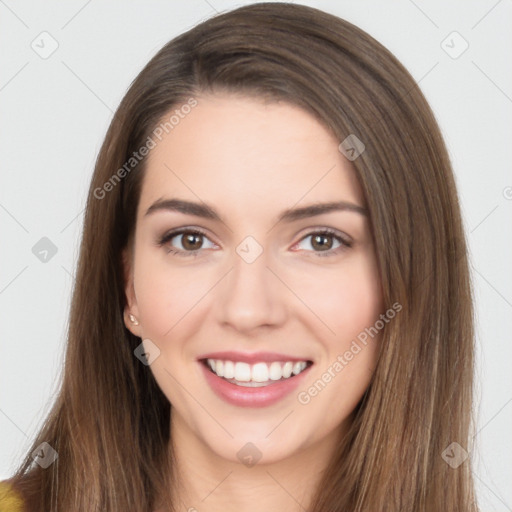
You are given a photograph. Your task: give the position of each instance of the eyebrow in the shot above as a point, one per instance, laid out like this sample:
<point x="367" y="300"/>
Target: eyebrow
<point x="290" y="215"/>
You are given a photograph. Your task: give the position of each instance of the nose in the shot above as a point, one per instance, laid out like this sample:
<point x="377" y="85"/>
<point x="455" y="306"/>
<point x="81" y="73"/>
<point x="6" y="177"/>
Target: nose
<point x="251" y="295"/>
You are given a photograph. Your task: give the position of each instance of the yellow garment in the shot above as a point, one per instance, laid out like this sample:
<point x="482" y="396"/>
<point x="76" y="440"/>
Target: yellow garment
<point x="10" y="500"/>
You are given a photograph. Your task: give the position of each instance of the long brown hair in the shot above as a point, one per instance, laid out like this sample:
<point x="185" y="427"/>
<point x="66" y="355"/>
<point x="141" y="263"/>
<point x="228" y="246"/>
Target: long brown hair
<point x="110" y="421"/>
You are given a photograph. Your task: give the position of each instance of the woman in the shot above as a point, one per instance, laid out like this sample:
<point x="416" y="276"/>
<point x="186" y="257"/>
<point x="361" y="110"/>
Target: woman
<point x="272" y="307"/>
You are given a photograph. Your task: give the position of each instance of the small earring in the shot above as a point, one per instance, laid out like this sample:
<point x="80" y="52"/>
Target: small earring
<point x="133" y="319"/>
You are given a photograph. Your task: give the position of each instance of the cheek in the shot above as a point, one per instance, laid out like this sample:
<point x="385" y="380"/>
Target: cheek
<point x="167" y="296"/>
<point x="348" y="299"/>
<point x="349" y="303"/>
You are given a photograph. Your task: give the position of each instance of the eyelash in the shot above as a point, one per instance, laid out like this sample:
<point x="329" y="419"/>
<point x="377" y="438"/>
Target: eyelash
<point x="345" y="244"/>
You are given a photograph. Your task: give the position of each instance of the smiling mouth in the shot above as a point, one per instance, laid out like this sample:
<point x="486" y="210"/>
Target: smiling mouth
<point x="255" y="375"/>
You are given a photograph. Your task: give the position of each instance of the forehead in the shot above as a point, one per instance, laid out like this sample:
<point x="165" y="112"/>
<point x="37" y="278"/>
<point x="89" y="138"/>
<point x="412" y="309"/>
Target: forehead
<point x="244" y="154"/>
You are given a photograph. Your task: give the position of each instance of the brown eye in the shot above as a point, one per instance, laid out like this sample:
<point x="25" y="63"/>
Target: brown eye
<point x="323" y="243"/>
<point x="185" y="242"/>
<point x="192" y="241"/>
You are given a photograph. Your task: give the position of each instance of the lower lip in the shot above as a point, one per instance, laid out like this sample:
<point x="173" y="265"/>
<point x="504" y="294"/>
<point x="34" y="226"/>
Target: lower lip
<point x="252" y="397"/>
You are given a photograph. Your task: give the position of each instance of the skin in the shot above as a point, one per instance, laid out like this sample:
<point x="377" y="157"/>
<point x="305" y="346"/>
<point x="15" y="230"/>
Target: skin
<point x="251" y="160"/>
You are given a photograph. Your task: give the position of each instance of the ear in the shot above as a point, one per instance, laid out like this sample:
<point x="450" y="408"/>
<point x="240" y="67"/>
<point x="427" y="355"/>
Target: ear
<point x="129" y="291"/>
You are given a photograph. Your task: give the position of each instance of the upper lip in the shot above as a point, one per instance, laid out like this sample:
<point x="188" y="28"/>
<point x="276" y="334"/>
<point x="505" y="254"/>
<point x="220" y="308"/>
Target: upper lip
<point x="251" y="357"/>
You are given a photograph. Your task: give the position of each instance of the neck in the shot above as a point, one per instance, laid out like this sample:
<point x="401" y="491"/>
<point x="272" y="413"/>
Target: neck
<point x="206" y="482"/>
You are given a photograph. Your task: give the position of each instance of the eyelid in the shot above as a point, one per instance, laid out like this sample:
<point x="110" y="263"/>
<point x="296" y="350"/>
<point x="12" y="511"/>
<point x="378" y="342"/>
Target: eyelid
<point x="345" y="241"/>
<point x="172" y="233"/>
<point x="312" y="230"/>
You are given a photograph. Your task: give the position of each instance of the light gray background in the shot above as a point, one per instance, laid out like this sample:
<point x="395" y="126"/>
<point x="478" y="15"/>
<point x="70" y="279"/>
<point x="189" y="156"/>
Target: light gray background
<point x="55" y="112"/>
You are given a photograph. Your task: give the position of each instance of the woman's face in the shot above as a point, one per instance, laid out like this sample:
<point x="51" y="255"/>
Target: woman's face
<point x="219" y="272"/>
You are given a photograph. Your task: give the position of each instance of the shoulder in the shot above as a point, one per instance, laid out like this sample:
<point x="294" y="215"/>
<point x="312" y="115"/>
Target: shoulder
<point x="10" y="499"/>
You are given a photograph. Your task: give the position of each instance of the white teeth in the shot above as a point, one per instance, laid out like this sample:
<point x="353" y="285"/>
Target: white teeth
<point x="287" y="369"/>
<point x="259" y="372"/>
<point x="275" y="371"/>
<point x="242" y="372"/>
<point x="229" y="370"/>
<point x="298" y="367"/>
<point x="250" y="384"/>
<point x="256" y="373"/>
